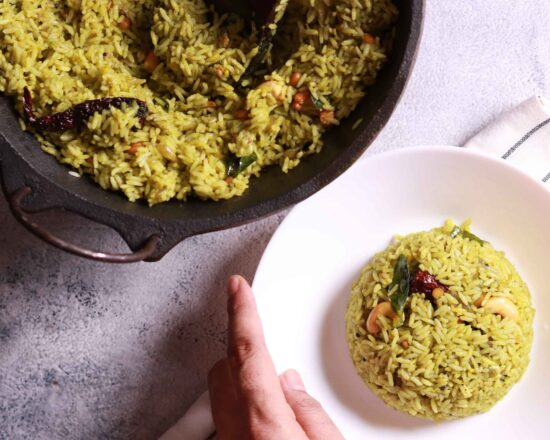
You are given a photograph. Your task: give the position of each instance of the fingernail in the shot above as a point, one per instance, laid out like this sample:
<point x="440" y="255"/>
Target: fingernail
<point x="293" y="380"/>
<point x="233" y="284"/>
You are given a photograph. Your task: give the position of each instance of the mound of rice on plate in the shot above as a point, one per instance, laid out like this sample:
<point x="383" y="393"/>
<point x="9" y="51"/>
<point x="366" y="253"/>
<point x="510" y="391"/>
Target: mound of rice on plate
<point x="440" y="324"/>
<point x="201" y="138"/>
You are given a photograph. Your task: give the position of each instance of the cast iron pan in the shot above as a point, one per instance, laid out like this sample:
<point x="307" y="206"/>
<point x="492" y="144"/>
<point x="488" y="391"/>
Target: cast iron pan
<point x="33" y="180"/>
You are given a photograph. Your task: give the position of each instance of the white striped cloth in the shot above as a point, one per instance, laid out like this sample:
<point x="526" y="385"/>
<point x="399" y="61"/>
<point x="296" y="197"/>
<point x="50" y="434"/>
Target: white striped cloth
<point x="522" y="137"/>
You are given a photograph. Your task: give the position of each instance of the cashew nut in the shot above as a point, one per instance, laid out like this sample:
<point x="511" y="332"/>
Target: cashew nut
<point x="503" y="307"/>
<point x="384" y="309"/>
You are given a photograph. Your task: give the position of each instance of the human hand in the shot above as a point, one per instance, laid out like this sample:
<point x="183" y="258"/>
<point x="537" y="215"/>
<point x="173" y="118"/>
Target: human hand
<point x="249" y="401"/>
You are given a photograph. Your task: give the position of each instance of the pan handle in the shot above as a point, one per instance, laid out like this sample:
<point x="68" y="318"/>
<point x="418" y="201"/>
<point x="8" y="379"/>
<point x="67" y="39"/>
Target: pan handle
<point x="16" y="199"/>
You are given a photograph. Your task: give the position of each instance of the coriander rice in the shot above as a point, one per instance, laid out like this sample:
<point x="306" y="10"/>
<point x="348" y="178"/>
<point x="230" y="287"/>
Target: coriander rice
<point x="180" y="60"/>
<point x="453" y="356"/>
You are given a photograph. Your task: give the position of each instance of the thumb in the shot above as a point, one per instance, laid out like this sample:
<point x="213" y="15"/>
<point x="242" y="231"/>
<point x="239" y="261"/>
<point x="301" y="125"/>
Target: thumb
<point x="309" y="413"/>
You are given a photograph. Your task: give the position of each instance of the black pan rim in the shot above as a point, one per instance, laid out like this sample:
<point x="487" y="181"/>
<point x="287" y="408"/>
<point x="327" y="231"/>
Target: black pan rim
<point x="51" y="194"/>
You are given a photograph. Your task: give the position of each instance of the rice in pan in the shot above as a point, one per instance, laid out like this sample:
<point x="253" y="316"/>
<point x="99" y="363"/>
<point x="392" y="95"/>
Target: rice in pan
<point x="200" y="138"/>
<point x="440" y="324"/>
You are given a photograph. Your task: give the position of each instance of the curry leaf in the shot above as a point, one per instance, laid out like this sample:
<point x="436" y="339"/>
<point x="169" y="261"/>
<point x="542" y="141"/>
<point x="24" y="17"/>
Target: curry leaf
<point x="401" y="279"/>
<point x="473" y="237"/>
<point x="236" y="165"/>
<point x="317" y="103"/>
<point x="466" y="234"/>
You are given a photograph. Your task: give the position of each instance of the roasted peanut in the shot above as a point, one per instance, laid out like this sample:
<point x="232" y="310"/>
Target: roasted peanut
<point x="241" y="114"/>
<point x="134" y="147"/>
<point x="151" y="62"/>
<point x="125" y="23"/>
<point x="369" y="39"/>
<point x="295" y="79"/>
<point x="437" y="293"/>
<point x="327" y="117"/>
<point x="224" y="40"/>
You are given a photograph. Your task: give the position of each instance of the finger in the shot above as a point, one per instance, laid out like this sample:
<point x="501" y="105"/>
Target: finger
<point x="255" y="377"/>
<point x="245" y="329"/>
<point x="224" y="403"/>
<point x="309" y="413"/>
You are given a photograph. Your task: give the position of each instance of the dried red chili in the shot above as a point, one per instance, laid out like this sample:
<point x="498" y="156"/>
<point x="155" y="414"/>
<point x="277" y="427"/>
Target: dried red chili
<point x="75" y="116"/>
<point x="425" y="282"/>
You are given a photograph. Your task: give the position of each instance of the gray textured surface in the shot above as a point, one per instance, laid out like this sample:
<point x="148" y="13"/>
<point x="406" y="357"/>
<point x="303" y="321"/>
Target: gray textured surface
<point x="91" y="351"/>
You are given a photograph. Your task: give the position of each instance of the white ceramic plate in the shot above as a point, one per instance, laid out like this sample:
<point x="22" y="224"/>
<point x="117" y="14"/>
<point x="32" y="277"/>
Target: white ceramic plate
<point x="304" y="279"/>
